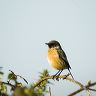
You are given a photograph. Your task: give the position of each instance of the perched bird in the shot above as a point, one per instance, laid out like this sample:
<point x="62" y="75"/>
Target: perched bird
<point x="57" y="57"/>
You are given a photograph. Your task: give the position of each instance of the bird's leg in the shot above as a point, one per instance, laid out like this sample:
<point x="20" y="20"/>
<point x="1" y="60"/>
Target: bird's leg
<point x="56" y="74"/>
<point x="71" y="74"/>
<point x="57" y="77"/>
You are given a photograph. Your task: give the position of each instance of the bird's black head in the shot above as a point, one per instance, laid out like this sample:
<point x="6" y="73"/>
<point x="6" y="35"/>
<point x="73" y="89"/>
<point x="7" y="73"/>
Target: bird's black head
<point x="53" y="44"/>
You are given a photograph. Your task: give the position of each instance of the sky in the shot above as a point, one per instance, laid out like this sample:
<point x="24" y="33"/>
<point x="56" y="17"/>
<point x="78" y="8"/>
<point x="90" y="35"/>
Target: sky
<point x="25" y="27"/>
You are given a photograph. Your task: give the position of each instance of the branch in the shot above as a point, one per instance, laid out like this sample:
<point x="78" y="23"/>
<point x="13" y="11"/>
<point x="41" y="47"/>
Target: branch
<point x="66" y="77"/>
<point x="60" y="77"/>
<point x="9" y="84"/>
<point x="84" y="88"/>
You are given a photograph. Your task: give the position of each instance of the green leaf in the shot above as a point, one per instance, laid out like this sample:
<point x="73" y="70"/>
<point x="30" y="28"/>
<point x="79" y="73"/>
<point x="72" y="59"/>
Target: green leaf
<point x="12" y="76"/>
<point x="1" y="73"/>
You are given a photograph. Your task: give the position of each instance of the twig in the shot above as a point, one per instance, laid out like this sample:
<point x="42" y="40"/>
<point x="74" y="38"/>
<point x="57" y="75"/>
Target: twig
<point x="49" y="91"/>
<point x="23" y="78"/>
<point x="88" y="93"/>
<point x="17" y="76"/>
<point x="92" y="89"/>
<point x="81" y="89"/>
<point x="9" y="84"/>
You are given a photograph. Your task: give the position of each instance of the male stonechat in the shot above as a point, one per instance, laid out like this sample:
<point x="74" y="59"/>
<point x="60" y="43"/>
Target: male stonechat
<point x="57" y="57"/>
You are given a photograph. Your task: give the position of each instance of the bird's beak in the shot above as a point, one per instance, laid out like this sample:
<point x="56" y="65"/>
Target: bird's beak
<point x="46" y="43"/>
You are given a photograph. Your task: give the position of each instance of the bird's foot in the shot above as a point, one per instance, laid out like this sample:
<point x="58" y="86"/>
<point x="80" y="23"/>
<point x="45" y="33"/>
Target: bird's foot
<point x="66" y="76"/>
<point x="55" y="77"/>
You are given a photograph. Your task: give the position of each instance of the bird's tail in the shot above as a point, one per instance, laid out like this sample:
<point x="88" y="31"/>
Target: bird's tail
<point x="70" y="73"/>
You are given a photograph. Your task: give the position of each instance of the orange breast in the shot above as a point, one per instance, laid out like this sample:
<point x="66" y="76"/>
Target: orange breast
<point x="54" y="60"/>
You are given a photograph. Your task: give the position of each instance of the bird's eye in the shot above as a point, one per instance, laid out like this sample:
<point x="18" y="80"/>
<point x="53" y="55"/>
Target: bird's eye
<point x="57" y="47"/>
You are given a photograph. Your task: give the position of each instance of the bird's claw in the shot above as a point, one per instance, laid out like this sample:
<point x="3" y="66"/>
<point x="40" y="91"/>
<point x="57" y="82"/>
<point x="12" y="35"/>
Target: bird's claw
<point x="55" y="77"/>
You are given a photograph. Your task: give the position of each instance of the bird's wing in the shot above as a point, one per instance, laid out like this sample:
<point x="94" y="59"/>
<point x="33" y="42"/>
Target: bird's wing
<point x="63" y="56"/>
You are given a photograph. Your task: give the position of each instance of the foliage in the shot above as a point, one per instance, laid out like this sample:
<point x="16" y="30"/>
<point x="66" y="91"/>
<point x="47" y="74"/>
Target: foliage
<point x="39" y="87"/>
<point x="18" y="89"/>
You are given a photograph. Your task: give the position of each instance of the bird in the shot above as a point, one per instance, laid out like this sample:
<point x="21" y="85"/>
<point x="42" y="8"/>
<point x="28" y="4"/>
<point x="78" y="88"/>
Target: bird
<point x="57" y="58"/>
